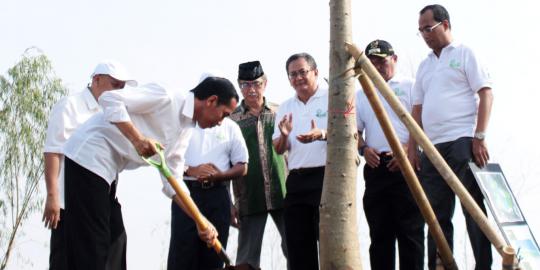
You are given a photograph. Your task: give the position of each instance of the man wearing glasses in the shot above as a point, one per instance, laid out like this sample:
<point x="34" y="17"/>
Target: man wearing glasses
<point x="262" y="190"/>
<point x="300" y="129"/>
<point x="66" y="116"/>
<point x="391" y="212"/>
<point x="449" y="84"/>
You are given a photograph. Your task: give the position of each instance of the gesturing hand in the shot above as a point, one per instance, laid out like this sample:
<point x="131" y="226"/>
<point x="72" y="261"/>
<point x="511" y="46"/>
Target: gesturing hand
<point x="285" y="125"/>
<point x="312" y="135"/>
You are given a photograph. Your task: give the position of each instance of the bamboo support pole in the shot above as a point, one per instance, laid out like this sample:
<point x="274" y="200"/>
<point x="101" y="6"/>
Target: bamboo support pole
<point x="431" y="152"/>
<point x="508" y="258"/>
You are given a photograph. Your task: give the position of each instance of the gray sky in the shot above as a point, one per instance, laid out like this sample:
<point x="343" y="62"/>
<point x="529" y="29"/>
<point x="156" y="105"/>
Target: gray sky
<point x="175" y="41"/>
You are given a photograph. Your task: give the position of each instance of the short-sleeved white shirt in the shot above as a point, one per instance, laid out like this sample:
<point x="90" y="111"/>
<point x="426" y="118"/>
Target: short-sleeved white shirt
<point x="66" y="116"/>
<point x="165" y="116"/>
<point x="367" y="121"/>
<point x="221" y="145"/>
<point x="446" y="87"/>
<point x="305" y="155"/>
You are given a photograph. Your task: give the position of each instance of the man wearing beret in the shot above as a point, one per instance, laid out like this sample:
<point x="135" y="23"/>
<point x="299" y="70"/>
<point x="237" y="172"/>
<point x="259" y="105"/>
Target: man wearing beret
<point x="391" y="212"/>
<point x="259" y="193"/>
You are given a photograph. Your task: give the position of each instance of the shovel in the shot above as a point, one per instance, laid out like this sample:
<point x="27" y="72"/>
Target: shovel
<point x="161" y="165"/>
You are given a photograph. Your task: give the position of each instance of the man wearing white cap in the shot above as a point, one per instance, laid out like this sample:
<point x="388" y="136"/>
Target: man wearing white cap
<point x="132" y="123"/>
<point x="65" y="117"/>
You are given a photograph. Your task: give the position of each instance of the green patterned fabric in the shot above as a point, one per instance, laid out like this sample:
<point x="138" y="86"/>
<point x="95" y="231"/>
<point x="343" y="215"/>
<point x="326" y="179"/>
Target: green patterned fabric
<point x="263" y="188"/>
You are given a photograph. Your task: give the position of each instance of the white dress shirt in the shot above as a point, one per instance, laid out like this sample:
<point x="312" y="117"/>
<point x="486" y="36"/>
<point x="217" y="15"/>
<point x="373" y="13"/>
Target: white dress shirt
<point x="222" y="145"/>
<point x="446" y="87"/>
<point x="305" y="155"/>
<point x="165" y="116"/>
<point x="66" y="116"/>
<point x="367" y="121"/>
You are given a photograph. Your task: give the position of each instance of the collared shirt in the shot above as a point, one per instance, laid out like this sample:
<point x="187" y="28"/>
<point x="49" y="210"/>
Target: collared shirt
<point x="305" y="155"/>
<point x="222" y="145"/>
<point x="446" y="87"/>
<point x="167" y="117"/>
<point x="66" y="115"/>
<point x="263" y="188"/>
<point x="366" y="119"/>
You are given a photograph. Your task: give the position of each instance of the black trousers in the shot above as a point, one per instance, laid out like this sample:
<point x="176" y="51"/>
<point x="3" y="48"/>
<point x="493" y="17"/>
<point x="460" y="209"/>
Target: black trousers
<point x="57" y="258"/>
<point x="301" y="214"/>
<point x="186" y="250"/>
<point x="457" y="154"/>
<point x="392" y="214"/>
<point x="95" y="234"/>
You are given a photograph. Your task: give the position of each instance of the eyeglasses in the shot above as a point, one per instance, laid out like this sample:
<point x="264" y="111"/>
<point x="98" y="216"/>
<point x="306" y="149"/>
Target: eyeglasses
<point x="302" y="73"/>
<point x="427" y="29"/>
<point x="247" y="85"/>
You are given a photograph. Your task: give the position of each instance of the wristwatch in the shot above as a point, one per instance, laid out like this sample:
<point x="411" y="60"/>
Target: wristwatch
<point x="480" y="135"/>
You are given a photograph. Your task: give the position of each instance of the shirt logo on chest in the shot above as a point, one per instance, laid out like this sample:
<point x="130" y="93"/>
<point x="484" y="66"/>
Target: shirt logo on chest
<point x="320" y="113"/>
<point x="220" y="137"/>
<point x="398" y="92"/>
<point x="454" y="63"/>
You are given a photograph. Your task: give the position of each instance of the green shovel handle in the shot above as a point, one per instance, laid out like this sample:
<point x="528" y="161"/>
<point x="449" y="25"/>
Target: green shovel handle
<point x="161" y="165"/>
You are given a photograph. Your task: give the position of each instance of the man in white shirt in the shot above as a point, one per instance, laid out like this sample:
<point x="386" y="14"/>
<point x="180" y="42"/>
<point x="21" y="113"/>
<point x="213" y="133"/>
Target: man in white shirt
<point x="213" y="158"/>
<point x="297" y="131"/>
<point x="452" y="100"/>
<point x="133" y="121"/>
<point x="66" y="115"/>
<point x="391" y="212"/>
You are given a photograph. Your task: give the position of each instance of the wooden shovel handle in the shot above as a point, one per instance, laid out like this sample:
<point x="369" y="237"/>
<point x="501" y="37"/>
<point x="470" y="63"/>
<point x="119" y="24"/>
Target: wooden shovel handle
<point x="197" y="217"/>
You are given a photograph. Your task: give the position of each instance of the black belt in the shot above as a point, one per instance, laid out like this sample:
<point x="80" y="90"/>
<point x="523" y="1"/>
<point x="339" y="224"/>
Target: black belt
<point x="385" y="157"/>
<point x="306" y="170"/>
<point x="205" y="184"/>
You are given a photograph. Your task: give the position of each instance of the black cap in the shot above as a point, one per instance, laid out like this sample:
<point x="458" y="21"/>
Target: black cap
<point x="380" y="48"/>
<point x="250" y="71"/>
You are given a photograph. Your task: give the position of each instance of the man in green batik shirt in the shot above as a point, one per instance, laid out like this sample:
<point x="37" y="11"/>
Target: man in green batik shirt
<point x="262" y="190"/>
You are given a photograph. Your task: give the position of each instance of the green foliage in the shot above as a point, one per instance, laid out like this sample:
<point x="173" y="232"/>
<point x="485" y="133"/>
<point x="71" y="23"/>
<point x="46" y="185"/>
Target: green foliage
<point x="27" y="94"/>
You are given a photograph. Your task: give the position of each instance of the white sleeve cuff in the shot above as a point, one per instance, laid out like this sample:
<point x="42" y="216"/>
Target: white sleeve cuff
<point x="116" y="114"/>
<point x="168" y="189"/>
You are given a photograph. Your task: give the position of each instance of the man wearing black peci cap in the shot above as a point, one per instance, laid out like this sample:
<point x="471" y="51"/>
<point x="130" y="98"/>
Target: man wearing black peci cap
<point x="261" y="192"/>
<point x="390" y="209"/>
<point x="133" y="121"/>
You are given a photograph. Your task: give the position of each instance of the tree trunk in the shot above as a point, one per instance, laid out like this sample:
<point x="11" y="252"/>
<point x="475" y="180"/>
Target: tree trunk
<point x="339" y="245"/>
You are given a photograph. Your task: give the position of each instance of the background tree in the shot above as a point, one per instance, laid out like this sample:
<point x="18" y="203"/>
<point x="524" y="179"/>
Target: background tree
<point x="339" y="247"/>
<point x="27" y="94"/>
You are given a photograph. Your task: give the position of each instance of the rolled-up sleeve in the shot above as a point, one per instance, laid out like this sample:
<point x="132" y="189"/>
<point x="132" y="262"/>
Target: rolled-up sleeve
<point x="117" y="104"/>
<point x="175" y="159"/>
<point x="239" y="151"/>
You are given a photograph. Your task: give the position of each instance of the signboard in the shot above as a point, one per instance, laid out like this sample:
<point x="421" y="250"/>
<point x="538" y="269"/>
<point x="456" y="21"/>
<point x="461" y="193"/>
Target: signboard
<point x="506" y="212"/>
